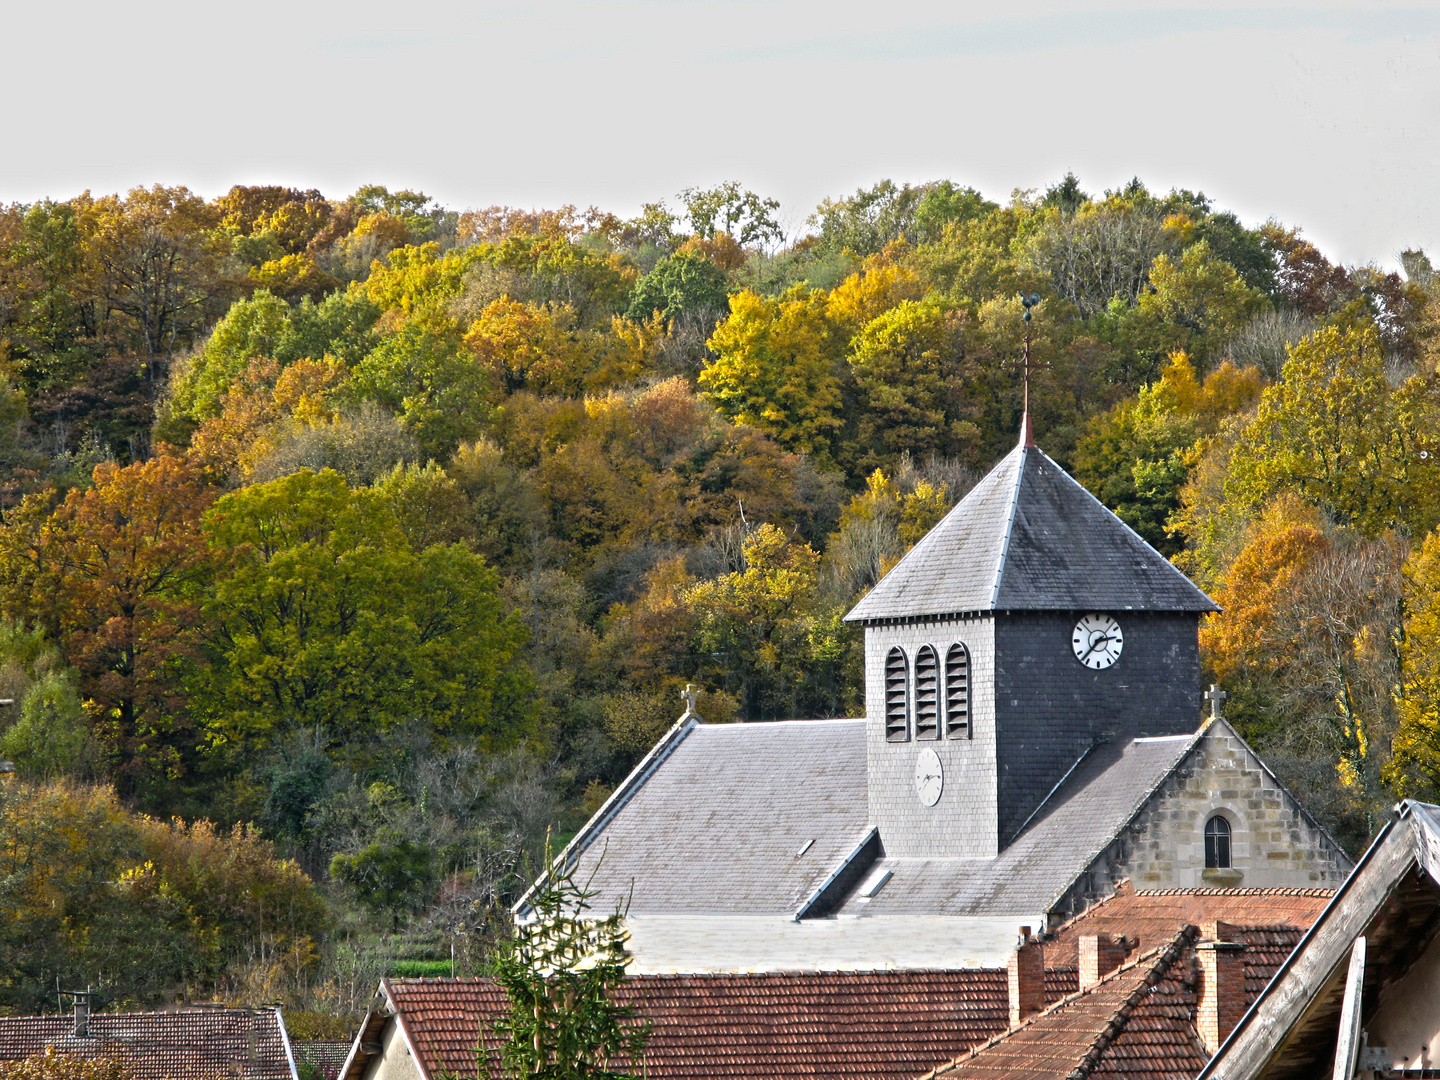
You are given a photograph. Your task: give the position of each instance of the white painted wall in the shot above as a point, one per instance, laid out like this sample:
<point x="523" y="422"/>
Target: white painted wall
<point x="669" y="944"/>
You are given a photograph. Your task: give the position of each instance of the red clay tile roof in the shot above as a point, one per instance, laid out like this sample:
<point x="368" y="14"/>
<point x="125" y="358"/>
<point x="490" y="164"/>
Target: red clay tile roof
<point x="1136" y="1022"/>
<point x="327" y="1057"/>
<point x="866" y="1025"/>
<point x="1151" y="917"/>
<point x="198" y="1043"/>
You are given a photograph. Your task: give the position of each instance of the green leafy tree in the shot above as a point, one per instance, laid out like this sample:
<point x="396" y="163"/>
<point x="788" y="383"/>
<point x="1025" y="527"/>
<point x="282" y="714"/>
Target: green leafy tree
<point x="731" y="209"/>
<point x="677" y="285"/>
<point x="561" y="971"/>
<point x="327" y="616"/>
<point x="397" y="877"/>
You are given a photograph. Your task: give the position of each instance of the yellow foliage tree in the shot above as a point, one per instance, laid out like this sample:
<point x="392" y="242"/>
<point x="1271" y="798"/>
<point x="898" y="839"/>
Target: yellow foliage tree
<point x="776" y="369"/>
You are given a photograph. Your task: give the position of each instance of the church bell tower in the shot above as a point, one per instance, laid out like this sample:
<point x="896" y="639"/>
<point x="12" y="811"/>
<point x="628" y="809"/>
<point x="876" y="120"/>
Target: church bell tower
<point x="1027" y="626"/>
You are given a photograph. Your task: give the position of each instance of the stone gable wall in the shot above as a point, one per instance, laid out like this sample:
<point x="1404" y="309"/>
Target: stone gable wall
<point x="1273" y="842"/>
<point x="962" y="823"/>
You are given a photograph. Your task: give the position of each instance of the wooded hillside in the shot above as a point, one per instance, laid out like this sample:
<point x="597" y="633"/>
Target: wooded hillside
<point x="380" y="537"/>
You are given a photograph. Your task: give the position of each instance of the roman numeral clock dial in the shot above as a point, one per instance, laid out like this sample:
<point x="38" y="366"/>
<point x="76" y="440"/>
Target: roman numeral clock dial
<point x="1097" y="641"/>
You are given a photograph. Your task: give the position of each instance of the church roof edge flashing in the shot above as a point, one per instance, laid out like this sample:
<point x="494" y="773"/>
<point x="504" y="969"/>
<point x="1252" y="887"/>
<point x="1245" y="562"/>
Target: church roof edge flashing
<point x="1028" y="537"/>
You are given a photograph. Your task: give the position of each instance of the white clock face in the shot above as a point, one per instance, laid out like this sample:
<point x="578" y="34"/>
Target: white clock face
<point x="929" y="779"/>
<point x="1097" y="641"/>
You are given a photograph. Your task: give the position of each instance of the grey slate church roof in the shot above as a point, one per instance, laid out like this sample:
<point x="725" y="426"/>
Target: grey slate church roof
<point x="718" y="827"/>
<point x="1028" y="537"/>
<point x="750" y="819"/>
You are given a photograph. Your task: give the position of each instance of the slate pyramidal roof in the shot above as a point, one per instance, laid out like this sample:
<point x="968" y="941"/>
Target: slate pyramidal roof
<point x="1028" y="537"/>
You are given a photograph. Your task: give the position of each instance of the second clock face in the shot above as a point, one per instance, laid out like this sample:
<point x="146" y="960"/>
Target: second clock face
<point x="929" y="778"/>
<point x="1097" y="641"/>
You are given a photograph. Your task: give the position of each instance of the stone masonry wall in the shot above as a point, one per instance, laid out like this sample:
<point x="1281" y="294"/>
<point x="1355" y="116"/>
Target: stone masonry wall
<point x="1273" y="842"/>
<point x="962" y="823"/>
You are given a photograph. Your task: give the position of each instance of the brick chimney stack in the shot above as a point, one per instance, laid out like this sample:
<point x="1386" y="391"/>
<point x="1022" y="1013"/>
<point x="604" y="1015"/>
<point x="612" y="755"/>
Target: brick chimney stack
<point x="82" y="1014"/>
<point x="1026" y="976"/>
<point x="1100" y="954"/>
<point x="1222" y="983"/>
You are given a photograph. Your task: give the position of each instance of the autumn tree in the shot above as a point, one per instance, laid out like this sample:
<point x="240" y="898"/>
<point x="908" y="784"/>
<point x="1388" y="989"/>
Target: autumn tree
<point x="116" y="574"/>
<point x="1137" y="456"/>
<point x="1335" y="431"/>
<point x="156" y="261"/>
<point x="776" y="370"/>
<point x="766" y="638"/>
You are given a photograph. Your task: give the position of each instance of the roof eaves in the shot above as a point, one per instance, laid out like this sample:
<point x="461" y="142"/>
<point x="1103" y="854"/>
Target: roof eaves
<point x="421" y="1064"/>
<point x="358" y="1056"/>
<point x="615" y="803"/>
<point x="285" y="1042"/>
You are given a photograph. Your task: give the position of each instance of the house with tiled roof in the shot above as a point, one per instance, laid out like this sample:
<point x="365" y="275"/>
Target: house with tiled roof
<point x="1033" y="735"/>
<point x="871" y="1025"/>
<point x="1158" y="1014"/>
<point x="1360" y="994"/>
<point x="198" y="1043"/>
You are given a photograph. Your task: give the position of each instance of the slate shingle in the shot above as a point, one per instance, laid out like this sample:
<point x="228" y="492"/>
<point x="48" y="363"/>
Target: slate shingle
<point x="1078" y="821"/>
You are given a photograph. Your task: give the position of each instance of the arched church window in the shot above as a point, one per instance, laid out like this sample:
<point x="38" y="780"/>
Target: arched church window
<point x="897" y="698"/>
<point x="1217" y="844"/>
<point x="927" y="694"/>
<point x="957" y="692"/>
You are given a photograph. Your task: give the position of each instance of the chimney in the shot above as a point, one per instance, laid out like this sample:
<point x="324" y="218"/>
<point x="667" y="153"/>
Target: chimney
<point x="1100" y="954"/>
<point x="1222" y="983"/>
<point x="1026" y="977"/>
<point x="82" y="1014"/>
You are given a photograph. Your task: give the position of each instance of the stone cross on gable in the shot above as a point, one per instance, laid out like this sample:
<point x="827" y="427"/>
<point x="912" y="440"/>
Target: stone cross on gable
<point x="691" y="696"/>
<point x="1215" y="696"/>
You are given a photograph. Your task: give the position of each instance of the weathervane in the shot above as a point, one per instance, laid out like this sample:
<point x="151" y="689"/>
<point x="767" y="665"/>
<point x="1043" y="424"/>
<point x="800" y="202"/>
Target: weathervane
<point x="1027" y="433"/>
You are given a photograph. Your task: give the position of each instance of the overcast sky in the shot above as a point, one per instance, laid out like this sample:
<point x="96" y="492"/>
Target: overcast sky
<point x="1325" y="117"/>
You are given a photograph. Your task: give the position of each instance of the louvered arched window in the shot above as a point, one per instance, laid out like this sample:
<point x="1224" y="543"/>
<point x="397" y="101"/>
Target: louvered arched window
<point x="957" y="692"/>
<point x="897" y="698"/>
<point x="927" y="694"/>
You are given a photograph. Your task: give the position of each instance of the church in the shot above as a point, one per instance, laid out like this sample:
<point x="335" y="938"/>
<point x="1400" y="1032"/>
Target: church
<point x="1034" y="734"/>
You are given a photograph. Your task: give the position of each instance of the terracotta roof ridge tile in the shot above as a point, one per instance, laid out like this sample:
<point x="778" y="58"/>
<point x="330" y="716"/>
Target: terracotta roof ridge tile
<point x="1251" y="890"/>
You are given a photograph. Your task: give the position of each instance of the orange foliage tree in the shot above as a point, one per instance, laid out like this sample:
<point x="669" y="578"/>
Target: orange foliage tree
<point x="114" y="574"/>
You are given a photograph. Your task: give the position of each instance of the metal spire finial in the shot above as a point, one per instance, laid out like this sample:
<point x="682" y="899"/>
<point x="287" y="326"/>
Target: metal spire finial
<point x="1027" y="432"/>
